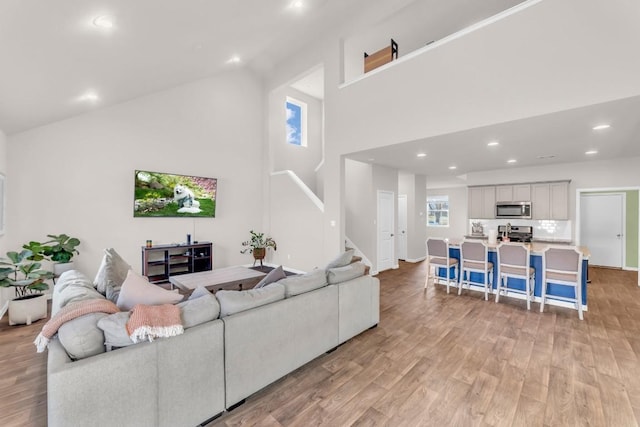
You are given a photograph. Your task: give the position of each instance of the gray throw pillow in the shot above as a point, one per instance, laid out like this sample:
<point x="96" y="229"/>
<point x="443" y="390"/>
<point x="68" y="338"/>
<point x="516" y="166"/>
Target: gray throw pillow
<point x="81" y="336"/>
<point x="72" y="278"/>
<point x="341" y="260"/>
<point x="114" y="327"/>
<point x="76" y="293"/>
<point x="273" y="276"/>
<point x="348" y="272"/>
<point x="296" y="285"/>
<point x="201" y="309"/>
<point x="232" y="302"/>
<point x="198" y="292"/>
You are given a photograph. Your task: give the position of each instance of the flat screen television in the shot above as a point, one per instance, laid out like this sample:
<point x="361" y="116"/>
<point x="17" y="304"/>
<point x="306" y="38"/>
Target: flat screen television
<point x="160" y="194"/>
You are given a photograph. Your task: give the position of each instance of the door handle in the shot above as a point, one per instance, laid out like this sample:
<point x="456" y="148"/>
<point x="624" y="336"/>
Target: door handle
<point x="618" y="235"/>
<point x="391" y="234"/>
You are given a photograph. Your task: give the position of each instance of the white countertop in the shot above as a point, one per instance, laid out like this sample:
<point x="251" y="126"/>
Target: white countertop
<point x="536" y="247"/>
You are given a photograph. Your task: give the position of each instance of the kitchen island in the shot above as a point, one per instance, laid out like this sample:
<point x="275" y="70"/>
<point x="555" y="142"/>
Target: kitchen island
<point x="537" y="250"/>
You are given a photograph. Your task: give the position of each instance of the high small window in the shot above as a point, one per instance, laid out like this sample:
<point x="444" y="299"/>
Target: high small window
<point x="438" y="211"/>
<point x="296" y="122"/>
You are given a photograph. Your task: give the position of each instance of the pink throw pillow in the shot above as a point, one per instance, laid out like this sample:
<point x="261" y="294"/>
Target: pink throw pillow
<point x="136" y="289"/>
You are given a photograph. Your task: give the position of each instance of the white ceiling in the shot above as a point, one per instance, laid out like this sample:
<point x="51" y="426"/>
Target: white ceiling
<point x="52" y="54"/>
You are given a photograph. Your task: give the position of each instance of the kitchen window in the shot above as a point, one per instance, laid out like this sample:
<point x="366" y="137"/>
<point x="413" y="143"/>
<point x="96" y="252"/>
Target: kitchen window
<point x="438" y="211"/>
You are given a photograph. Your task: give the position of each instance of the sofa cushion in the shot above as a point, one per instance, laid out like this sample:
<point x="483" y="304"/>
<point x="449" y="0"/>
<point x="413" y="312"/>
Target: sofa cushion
<point x="114" y="327"/>
<point x="296" y="285"/>
<point x="76" y="293"/>
<point x="199" y="308"/>
<point x="136" y="289"/>
<point x="112" y="269"/>
<point x="232" y="302"/>
<point x="341" y="260"/>
<point x="273" y="276"/>
<point x="81" y="336"/>
<point x="348" y="272"/>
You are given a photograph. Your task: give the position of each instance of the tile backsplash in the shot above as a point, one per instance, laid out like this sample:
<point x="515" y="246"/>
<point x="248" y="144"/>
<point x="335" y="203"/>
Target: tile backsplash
<point x="542" y="229"/>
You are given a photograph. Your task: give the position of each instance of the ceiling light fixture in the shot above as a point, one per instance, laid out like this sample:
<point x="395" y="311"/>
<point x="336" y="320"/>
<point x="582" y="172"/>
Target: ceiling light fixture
<point x="104" y="21"/>
<point x="453" y="167"/>
<point x="547" y="157"/>
<point x="297" y="4"/>
<point x="493" y="144"/>
<point x="511" y="161"/>
<point x="422" y="154"/>
<point x="89" y="97"/>
<point x="601" y="127"/>
<point x="235" y="59"/>
<point x="591" y="152"/>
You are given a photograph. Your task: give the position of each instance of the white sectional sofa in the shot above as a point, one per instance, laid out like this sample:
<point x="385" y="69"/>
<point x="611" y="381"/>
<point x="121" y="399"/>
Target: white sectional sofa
<point x="191" y="378"/>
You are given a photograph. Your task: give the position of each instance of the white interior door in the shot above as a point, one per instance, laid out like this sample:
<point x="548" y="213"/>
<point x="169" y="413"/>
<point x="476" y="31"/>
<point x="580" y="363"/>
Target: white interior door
<point x="602" y="228"/>
<point x="402" y="227"/>
<point x="385" y="230"/>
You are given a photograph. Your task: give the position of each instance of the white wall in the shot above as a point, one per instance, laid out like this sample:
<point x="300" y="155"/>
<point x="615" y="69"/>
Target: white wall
<point x="301" y="160"/>
<point x="414" y="186"/>
<point x="359" y="214"/>
<point x="76" y="176"/>
<point x="293" y="220"/>
<point x="414" y="26"/>
<point x="3" y="171"/>
<point x="457" y="213"/>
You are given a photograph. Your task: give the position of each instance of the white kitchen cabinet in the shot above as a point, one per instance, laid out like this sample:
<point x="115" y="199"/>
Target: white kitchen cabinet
<point x="540" y="201"/>
<point x="550" y="200"/>
<point x="522" y="193"/>
<point x="513" y="193"/>
<point x="559" y="200"/>
<point x="482" y="202"/>
<point x="504" y="193"/>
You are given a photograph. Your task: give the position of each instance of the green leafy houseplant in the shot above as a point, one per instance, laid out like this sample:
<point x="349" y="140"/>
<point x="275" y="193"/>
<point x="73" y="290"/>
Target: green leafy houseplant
<point x="258" y="241"/>
<point x="60" y="248"/>
<point x="26" y="276"/>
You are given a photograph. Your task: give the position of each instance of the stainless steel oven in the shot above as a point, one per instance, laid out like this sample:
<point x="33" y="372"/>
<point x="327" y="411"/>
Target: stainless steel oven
<point x="513" y="210"/>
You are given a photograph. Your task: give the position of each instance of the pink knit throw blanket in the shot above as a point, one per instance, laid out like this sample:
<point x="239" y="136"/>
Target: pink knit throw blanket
<point x="148" y="322"/>
<point x="70" y="312"/>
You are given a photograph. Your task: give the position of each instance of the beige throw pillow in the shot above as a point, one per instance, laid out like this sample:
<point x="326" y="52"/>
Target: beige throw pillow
<point x="136" y="289"/>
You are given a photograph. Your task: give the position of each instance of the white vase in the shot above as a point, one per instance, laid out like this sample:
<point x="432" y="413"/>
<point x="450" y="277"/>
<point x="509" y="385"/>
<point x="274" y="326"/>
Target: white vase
<point x="27" y="309"/>
<point x="61" y="267"/>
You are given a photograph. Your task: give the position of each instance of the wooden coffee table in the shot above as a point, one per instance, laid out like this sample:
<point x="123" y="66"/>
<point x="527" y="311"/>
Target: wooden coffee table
<point x="228" y="278"/>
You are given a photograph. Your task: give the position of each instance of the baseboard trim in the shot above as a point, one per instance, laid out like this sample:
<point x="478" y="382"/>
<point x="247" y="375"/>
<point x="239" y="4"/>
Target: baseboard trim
<point x="235" y="405"/>
<point x="211" y="419"/>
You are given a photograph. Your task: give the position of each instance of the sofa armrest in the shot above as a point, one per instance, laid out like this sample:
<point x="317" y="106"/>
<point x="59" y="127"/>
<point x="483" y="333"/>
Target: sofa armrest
<point x="114" y="388"/>
<point x="359" y="302"/>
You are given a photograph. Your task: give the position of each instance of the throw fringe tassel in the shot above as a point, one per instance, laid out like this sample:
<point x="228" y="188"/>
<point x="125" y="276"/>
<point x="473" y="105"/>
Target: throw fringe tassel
<point x="41" y="343"/>
<point x="149" y="333"/>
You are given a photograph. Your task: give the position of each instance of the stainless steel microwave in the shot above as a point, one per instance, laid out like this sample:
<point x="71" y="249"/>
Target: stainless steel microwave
<point x="513" y="210"/>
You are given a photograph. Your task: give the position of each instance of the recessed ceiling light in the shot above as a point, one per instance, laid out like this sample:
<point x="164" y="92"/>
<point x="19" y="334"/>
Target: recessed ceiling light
<point x="422" y="154"/>
<point x="493" y="144"/>
<point x="600" y="127"/>
<point x="370" y="159"/>
<point x="453" y="167"/>
<point x="297" y="4"/>
<point x="89" y="97"/>
<point x="511" y="161"/>
<point x="104" y="21"/>
<point x="235" y="59"/>
<point x="591" y="152"/>
<point x="547" y="156"/>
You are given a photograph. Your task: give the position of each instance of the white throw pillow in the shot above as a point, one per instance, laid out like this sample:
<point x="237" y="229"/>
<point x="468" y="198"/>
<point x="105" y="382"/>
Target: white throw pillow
<point x="113" y="270"/>
<point x="136" y="289"/>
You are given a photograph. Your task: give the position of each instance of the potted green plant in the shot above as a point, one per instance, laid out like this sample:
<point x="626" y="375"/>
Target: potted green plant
<point x="258" y="245"/>
<point x="61" y="250"/>
<point x="28" y="279"/>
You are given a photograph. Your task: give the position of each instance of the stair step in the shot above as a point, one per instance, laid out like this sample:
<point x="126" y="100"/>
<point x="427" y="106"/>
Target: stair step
<point x="356" y="258"/>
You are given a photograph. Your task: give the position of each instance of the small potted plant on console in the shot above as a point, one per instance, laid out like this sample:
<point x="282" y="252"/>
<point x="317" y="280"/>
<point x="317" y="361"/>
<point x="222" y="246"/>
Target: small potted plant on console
<point x="258" y="245"/>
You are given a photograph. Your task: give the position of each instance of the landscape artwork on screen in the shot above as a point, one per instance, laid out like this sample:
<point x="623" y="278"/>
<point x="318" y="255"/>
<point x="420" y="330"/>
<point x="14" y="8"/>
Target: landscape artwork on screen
<point x="168" y="195"/>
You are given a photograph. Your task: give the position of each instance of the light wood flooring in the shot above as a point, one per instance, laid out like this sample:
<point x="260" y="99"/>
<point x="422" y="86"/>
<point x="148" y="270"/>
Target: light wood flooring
<point x="434" y="360"/>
